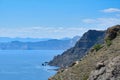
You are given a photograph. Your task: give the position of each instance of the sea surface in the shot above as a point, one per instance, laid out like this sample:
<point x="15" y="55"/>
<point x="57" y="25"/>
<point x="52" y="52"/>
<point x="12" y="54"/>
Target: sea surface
<point x="26" y="64"/>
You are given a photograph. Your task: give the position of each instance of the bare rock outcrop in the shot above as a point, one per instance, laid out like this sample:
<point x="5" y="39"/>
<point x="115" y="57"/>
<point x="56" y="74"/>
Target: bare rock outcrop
<point x="111" y="71"/>
<point x="113" y="31"/>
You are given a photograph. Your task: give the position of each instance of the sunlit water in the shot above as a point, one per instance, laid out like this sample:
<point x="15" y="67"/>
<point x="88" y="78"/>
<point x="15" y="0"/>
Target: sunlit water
<point x="26" y="64"/>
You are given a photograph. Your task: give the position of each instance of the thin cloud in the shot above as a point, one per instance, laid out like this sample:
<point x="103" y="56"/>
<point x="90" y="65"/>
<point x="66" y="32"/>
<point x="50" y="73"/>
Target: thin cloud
<point x="118" y="15"/>
<point x="89" y="20"/>
<point x="111" y="10"/>
<point x="102" y="23"/>
<point x="42" y="32"/>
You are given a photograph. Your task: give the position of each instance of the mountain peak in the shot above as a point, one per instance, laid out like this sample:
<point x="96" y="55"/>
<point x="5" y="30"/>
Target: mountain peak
<point x="112" y="32"/>
<point x="88" y="39"/>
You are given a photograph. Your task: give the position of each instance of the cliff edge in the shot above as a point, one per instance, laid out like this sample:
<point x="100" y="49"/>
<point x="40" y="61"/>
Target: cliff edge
<point x="100" y="63"/>
<point x="80" y="49"/>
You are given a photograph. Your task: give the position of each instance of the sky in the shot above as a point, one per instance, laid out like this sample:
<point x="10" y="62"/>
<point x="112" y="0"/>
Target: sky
<point x="56" y="18"/>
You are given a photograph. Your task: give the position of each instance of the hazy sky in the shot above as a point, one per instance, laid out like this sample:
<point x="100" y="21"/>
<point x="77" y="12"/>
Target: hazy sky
<point x="56" y="18"/>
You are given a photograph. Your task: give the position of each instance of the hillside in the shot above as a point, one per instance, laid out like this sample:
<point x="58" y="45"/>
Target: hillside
<point x="92" y="65"/>
<point x="79" y="50"/>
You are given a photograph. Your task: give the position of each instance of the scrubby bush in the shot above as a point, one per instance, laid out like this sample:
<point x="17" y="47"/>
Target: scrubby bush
<point x="85" y="77"/>
<point x="108" y="42"/>
<point x="97" y="47"/>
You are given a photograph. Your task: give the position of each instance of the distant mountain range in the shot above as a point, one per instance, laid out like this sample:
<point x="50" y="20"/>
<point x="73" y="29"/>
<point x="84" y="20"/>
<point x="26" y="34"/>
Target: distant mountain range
<point x="36" y="43"/>
<point x="7" y="39"/>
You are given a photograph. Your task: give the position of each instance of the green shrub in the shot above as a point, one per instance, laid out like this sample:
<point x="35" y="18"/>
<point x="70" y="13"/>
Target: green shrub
<point x="108" y="42"/>
<point x="85" y="77"/>
<point x="97" y="47"/>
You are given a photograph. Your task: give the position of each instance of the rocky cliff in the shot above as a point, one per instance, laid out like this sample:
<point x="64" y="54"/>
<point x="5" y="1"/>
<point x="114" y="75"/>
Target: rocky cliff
<point x="79" y="50"/>
<point x="107" y="70"/>
<point x="100" y="64"/>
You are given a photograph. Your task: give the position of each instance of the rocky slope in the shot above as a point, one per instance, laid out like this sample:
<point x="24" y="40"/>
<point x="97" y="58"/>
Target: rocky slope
<point x="108" y="70"/>
<point x="79" y="50"/>
<point x="107" y="58"/>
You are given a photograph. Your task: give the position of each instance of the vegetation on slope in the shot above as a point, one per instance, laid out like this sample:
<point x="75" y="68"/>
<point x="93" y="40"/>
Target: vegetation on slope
<point x="97" y="47"/>
<point x="83" y="68"/>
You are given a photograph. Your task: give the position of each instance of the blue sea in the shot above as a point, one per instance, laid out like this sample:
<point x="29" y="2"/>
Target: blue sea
<point x="26" y="64"/>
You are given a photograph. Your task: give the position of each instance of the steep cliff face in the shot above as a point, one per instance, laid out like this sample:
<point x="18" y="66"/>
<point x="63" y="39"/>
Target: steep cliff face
<point x="79" y="50"/>
<point x="103" y="64"/>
